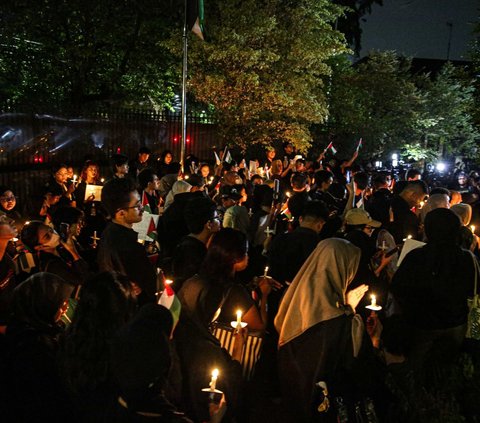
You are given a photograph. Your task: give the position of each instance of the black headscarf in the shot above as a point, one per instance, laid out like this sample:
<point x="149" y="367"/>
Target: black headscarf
<point x="442" y="228"/>
<point x="141" y="356"/>
<point x="37" y="300"/>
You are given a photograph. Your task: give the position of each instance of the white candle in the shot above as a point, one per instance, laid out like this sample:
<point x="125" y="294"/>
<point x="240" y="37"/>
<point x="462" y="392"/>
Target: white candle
<point x="288" y="194"/>
<point x="374" y="301"/>
<point x="239" y="319"/>
<point x="265" y="272"/>
<point x="422" y="203"/>
<point x="472" y="228"/>
<point x="74" y="178"/>
<point x="213" y="382"/>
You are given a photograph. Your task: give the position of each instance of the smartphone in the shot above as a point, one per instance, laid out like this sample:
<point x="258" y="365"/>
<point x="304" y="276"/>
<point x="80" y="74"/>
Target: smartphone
<point x="347" y="176"/>
<point x="63" y="231"/>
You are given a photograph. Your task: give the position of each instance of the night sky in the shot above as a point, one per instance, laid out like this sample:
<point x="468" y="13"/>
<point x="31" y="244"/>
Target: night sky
<point x="419" y="28"/>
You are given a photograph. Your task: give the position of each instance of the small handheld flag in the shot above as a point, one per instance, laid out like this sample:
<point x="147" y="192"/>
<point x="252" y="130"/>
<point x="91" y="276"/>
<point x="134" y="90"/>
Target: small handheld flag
<point x="360" y="144"/>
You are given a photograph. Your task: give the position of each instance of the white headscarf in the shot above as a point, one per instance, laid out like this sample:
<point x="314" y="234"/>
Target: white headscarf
<point x="464" y="211"/>
<point x="317" y="293"/>
<point x="177" y="188"/>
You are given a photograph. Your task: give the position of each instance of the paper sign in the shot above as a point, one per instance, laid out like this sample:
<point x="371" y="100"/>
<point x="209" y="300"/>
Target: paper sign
<point x="96" y="190"/>
<point x="409" y="245"/>
<point x="252" y="167"/>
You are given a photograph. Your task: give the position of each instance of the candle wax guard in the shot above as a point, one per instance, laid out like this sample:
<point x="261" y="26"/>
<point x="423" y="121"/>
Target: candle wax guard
<point x="235" y="323"/>
<point x="374" y="307"/>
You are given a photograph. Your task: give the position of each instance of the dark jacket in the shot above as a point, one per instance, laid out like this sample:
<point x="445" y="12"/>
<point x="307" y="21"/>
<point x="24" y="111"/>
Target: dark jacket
<point x="405" y="222"/>
<point x="120" y="251"/>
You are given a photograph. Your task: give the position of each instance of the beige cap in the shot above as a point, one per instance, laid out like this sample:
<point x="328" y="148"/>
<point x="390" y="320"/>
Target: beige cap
<point x="360" y="217"/>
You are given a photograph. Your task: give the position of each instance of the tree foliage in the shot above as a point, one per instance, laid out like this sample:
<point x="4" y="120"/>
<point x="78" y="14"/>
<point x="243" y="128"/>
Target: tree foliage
<point x="55" y="52"/>
<point x="392" y="109"/>
<point x="263" y="67"/>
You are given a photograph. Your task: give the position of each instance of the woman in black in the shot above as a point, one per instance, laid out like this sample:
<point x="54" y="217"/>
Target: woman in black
<point x="432" y="286"/>
<point x="54" y="255"/>
<point x="106" y="304"/>
<point x="33" y="388"/>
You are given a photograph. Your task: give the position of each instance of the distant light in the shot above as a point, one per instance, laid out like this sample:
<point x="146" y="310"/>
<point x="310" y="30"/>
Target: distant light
<point x="441" y="166"/>
<point x="394" y="156"/>
<point x="378" y="164"/>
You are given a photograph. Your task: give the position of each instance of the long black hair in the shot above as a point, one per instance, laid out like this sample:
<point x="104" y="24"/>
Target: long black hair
<point x="106" y="304"/>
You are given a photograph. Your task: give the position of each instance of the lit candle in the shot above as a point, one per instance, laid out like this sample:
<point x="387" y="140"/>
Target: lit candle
<point x="102" y="180"/>
<point x="168" y="282"/>
<point x="472" y="228"/>
<point x="373" y="305"/>
<point x="14" y="239"/>
<point x="74" y="178"/>
<point x="213" y="382"/>
<point x="422" y="203"/>
<point x="27" y="222"/>
<point x="265" y="272"/>
<point x="408" y="237"/>
<point x="211" y="178"/>
<point x="239" y="319"/>
<point x="288" y="194"/>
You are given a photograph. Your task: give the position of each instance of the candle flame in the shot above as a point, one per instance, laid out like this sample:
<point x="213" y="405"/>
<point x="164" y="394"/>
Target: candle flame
<point x="215" y="373"/>
<point x="239" y="314"/>
<point x="409" y="237"/>
<point x="168" y="281"/>
<point x="472" y="229"/>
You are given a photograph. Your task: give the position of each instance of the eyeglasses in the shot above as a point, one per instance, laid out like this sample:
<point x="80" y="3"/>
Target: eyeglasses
<point x="138" y="206"/>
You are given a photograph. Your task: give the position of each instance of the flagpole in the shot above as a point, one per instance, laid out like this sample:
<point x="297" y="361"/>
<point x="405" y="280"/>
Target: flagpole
<point x="184" y="90"/>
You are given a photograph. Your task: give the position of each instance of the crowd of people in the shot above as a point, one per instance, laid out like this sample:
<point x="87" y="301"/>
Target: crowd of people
<point x="343" y="291"/>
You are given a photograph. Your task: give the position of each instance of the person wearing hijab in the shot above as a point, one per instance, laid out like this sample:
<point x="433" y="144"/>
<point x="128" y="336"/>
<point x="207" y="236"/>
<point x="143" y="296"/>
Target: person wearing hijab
<point x="106" y="303"/>
<point x="319" y="333"/>
<point x="432" y="286"/>
<point x="33" y="388"/>
<point x="435" y="201"/>
<point x="141" y="360"/>
<point x="468" y="239"/>
<point x="178" y="187"/>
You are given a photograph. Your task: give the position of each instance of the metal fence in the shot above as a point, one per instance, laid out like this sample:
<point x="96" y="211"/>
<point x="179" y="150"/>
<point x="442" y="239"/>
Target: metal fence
<point x="31" y="143"/>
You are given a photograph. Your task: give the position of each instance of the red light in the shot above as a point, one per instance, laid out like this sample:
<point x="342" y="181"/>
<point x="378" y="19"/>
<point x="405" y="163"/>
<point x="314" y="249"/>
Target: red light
<point x="40" y="159"/>
<point x="175" y="139"/>
<point x="118" y="150"/>
<point x="188" y="139"/>
<point x="35" y="159"/>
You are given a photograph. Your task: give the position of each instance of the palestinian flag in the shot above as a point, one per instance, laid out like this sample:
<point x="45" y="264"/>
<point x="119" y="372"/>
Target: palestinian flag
<point x="195" y="17"/>
<point x="152" y="230"/>
<point x="331" y="147"/>
<point x="170" y="301"/>
<point x="218" y="162"/>
<point x="145" y="203"/>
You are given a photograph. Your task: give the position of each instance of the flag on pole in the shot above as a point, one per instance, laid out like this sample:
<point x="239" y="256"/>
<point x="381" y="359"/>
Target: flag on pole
<point x="145" y="203"/>
<point x="331" y="147"/>
<point x="360" y="144"/>
<point x="218" y="162"/>
<point x="195" y="17"/>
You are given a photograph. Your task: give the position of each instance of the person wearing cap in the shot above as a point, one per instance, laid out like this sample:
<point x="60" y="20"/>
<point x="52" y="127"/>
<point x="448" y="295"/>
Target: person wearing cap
<point x="359" y="227"/>
<point x="140" y="163"/>
<point x="235" y="216"/>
